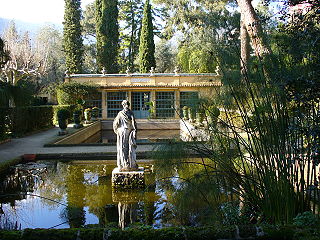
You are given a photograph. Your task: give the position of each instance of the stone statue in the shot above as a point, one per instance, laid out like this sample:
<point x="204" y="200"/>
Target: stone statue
<point x="124" y="125"/>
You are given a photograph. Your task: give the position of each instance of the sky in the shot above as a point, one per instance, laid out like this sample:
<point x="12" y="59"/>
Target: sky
<point x="35" y="11"/>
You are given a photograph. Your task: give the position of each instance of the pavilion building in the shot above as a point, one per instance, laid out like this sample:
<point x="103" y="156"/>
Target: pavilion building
<point x="165" y="93"/>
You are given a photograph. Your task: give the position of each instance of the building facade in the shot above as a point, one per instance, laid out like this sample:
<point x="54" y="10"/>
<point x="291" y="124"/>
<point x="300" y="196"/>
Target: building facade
<point x="155" y="95"/>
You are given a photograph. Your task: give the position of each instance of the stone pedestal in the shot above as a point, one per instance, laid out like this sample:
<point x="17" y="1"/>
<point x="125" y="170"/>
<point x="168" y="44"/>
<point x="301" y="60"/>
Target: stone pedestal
<point x="128" y="179"/>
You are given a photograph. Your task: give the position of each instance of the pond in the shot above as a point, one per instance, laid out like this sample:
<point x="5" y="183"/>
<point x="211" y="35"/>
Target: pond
<point x="108" y="136"/>
<point x="55" y="194"/>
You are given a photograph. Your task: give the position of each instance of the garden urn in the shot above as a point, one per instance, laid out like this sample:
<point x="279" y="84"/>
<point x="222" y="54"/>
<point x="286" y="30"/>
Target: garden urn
<point x="185" y="113"/>
<point x="87" y="115"/>
<point x="77" y="119"/>
<point x="95" y="113"/>
<point x="191" y="114"/>
<point x="63" y="115"/>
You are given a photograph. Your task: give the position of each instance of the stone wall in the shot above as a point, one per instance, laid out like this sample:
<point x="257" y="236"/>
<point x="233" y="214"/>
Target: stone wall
<point x="81" y="135"/>
<point x="192" y="132"/>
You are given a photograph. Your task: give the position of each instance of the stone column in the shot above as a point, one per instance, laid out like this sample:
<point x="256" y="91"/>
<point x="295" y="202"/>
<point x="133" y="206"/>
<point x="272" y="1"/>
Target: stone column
<point x="177" y="104"/>
<point x="104" y="104"/>
<point x="153" y="99"/>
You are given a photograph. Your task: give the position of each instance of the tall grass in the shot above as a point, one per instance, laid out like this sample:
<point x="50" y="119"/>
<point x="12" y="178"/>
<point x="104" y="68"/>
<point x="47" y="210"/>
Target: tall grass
<point x="264" y="149"/>
<point x="264" y="146"/>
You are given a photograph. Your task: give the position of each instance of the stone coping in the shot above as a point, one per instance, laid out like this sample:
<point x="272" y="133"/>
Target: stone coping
<point x="144" y="75"/>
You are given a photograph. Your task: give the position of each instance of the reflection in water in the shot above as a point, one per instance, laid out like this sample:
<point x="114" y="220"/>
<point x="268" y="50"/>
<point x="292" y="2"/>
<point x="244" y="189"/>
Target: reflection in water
<point x="80" y="194"/>
<point x="126" y="213"/>
<point x="108" y="136"/>
<point x="74" y="212"/>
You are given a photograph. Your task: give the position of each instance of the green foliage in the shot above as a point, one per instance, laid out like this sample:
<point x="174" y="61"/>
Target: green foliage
<point x="95" y="112"/>
<point x="107" y="35"/>
<point x="306" y="219"/>
<point x="165" y="57"/>
<point x="4" y="123"/>
<point x="147" y="47"/>
<point x="196" y="59"/>
<point x="6" y="165"/>
<point x="28" y="119"/>
<point x="56" y="108"/>
<point x="63" y="114"/>
<point x="71" y="93"/>
<point x="72" y="38"/>
<point x="265" y="146"/>
<point x="130" y="14"/>
<point x="192" y="233"/>
<point x="21" y="120"/>
<point x="20" y="94"/>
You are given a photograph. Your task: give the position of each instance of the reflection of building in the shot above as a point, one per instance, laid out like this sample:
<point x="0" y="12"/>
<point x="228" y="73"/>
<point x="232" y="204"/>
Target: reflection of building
<point x="163" y="93"/>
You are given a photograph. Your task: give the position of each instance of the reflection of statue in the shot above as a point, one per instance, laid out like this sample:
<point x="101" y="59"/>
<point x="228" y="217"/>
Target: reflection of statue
<point x="126" y="214"/>
<point x="124" y="125"/>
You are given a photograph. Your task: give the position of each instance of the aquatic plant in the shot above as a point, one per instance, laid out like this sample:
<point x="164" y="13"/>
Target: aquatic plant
<point x="264" y="149"/>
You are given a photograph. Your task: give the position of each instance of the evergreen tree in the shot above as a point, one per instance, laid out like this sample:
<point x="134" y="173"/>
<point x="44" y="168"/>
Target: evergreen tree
<point x="72" y="38"/>
<point x="130" y="14"/>
<point x="147" y="47"/>
<point x="107" y="34"/>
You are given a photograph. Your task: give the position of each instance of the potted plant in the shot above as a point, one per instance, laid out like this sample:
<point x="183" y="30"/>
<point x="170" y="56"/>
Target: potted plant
<point x="63" y="115"/>
<point x="191" y="114"/>
<point x="77" y="119"/>
<point x="152" y="109"/>
<point x="200" y="118"/>
<point x="95" y="113"/>
<point x="185" y="112"/>
<point x="87" y="115"/>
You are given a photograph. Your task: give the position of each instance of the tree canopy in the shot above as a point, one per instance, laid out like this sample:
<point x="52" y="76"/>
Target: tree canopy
<point x="147" y="47"/>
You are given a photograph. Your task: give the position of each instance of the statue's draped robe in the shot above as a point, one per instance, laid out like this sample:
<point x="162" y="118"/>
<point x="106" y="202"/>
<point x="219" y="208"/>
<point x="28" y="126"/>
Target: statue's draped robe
<point x="124" y="127"/>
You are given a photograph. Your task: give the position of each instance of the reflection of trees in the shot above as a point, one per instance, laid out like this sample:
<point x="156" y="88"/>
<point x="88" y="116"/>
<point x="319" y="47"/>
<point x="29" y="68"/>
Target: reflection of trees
<point x="14" y="186"/>
<point x="54" y="186"/>
<point x="185" y="198"/>
<point x="99" y="198"/>
<point x="74" y="212"/>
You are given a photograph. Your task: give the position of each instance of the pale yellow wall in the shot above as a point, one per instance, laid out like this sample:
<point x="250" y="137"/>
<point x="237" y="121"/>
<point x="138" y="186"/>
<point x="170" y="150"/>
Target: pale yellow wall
<point x="206" y="84"/>
<point x="147" y="80"/>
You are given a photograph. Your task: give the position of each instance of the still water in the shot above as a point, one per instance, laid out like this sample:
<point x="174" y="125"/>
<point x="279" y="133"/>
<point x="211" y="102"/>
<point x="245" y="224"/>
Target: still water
<point x="55" y="194"/>
<point x="108" y="136"/>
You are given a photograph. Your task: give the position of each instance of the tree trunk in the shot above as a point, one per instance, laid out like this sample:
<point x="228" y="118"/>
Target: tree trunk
<point x="254" y="28"/>
<point x="245" y="46"/>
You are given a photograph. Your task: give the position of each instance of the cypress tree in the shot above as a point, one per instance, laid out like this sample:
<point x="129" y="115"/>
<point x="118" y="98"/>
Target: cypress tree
<point x="107" y="35"/>
<point x="146" y="48"/>
<point x="72" y="38"/>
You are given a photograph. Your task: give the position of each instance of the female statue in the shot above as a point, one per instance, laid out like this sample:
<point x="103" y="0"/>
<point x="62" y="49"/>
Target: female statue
<point x="124" y="125"/>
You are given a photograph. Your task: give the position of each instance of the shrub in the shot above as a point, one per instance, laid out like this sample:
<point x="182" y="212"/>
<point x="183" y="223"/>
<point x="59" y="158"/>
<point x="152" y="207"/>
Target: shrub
<point x="63" y="114"/>
<point x="95" y="112"/>
<point x="305" y="219"/>
<point x="28" y="119"/>
<point x="4" y="123"/>
<point x="56" y="108"/>
<point x="70" y="93"/>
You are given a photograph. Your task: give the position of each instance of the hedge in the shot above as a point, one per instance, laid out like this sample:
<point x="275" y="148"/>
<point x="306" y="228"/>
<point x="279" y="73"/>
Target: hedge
<point x="22" y="120"/>
<point x="19" y="121"/>
<point x="71" y="92"/>
<point x="4" y="123"/>
<point x="29" y="119"/>
<point x="172" y="233"/>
